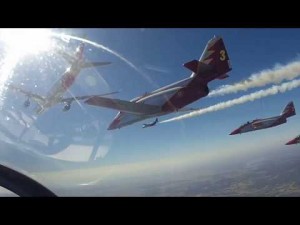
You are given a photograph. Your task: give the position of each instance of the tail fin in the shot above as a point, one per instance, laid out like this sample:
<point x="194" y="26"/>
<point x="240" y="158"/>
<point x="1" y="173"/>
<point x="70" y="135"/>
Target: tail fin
<point x="79" y="51"/>
<point x="289" y="110"/>
<point x="215" y="57"/>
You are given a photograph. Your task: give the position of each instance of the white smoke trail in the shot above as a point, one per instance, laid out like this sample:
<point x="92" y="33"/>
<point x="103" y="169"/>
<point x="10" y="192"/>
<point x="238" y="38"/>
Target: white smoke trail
<point x="270" y="76"/>
<point x="275" y="89"/>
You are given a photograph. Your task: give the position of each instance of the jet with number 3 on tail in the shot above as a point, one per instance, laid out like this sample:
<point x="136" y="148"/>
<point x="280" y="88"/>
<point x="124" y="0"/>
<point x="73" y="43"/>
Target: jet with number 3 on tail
<point x="213" y="64"/>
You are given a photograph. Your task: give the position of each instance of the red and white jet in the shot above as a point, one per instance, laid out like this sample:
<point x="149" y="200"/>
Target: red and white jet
<point x="213" y="64"/>
<point x="55" y="95"/>
<point x="259" y="124"/>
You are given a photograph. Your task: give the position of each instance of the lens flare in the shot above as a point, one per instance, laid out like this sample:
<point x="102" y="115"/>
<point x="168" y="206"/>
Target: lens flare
<point x="26" y="41"/>
<point x="18" y="43"/>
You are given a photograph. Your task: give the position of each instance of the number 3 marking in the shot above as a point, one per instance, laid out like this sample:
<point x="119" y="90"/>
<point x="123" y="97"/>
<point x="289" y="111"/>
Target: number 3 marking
<point x="223" y="55"/>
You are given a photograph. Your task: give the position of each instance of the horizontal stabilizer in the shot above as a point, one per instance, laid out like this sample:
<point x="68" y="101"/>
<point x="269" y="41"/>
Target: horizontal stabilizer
<point x="197" y="67"/>
<point x="192" y="65"/>
<point x="124" y="106"/>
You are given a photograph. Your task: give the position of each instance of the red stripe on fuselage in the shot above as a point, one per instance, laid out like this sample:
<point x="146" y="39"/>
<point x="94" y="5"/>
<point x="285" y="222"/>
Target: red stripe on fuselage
<point x="68" y="79"/>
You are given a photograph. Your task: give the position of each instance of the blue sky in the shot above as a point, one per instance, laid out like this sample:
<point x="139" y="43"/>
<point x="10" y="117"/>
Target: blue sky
<point x="159" y="54"/>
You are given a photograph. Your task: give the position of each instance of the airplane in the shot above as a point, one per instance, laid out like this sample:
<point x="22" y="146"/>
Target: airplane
<point x="258" y="124"/>
<point x="55" y="95"/>
<point x="150" y="124"/>
<point x="296" y="140"/>
<point x="213" y="64"/>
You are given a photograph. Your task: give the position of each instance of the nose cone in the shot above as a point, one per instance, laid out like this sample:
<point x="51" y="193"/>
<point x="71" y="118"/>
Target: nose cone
<point x="114" y="125"/>
<point x="236" y="131"/>
<point x="291" y="142"/>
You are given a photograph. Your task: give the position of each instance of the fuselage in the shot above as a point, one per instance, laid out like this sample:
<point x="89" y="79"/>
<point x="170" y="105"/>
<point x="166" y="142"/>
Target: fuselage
<point x="171" y="98"/>
<point x="63" y="84"/>
<point x="259" y="124"/>
<point x="59" y="88"/>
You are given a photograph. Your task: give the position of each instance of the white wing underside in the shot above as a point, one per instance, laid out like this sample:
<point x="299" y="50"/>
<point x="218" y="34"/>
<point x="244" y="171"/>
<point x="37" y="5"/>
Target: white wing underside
<point x="124" y="106"/>
<point x="40" y="100"/>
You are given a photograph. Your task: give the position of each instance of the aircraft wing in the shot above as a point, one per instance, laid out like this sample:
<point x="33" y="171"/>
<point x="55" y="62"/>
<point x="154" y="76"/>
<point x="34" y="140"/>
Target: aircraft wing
<point x="124" y="106"/>
<point x="85" y="97"/>
<point x="37" y="98"/>
<point x="94" y="64"/>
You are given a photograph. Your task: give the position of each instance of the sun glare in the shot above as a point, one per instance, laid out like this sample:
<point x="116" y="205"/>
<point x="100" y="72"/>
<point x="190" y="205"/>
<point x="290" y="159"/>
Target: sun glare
<point x="18" y="43"/>
<point x="26" y="41"/>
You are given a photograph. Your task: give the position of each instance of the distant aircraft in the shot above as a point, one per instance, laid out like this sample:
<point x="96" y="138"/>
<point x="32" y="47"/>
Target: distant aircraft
<point x="296" y="140"/>
<point x="150" y="124"/>
<point x="213" y="64"/>
<point x="55" y="95"/>
<point x="258" y="124"/>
